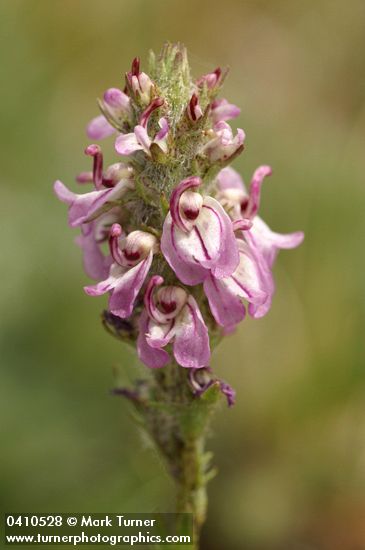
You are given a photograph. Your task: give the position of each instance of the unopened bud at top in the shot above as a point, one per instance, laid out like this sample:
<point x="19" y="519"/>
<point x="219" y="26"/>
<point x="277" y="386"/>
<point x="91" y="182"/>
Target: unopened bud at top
<point x="211" y="80"/>
<point x="140" y="83"/>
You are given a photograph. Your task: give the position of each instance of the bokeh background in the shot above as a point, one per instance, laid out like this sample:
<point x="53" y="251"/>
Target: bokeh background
<point x="291" y="453"/>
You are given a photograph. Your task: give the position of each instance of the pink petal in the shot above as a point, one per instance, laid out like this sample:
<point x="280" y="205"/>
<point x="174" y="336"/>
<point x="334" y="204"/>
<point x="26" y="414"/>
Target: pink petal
<point x="82" y="207"/>
<point x="249" y="281"/>
<point x="269" y="242"/>
<point x="158" y="335"/>
<point x="222" y="110"/>
<point x="202" y="244"/>
<point x="143" y="138"/>
<point x="228" y="257"/>
<point x="122" y="300"/>
<point x="116" y="272"/>
<point x="99" y="128"/>
<point x="164" y="125"/>
<point x="188" y="273"/>
<point x="63" y="193"/>
<point x="255" y="190"/>
<point x="191" y="342"/>
<point x="227" y="308"/>
<point x="95" y="263"/>
<point x="152" y="357"/>
<point x="228" y="178"/>
<point x="126" y="144"/>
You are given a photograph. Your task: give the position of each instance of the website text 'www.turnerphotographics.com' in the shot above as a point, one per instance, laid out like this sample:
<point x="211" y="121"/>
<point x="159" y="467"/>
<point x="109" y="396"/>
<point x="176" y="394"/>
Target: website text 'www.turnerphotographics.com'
<point x="90" y="529"/>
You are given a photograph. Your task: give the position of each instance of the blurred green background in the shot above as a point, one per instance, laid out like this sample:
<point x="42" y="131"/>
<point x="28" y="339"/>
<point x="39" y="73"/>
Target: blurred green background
<point x="291" y="453"/>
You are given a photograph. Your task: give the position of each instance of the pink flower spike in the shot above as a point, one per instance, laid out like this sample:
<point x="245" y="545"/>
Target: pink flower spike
<point x="189" y="183"/>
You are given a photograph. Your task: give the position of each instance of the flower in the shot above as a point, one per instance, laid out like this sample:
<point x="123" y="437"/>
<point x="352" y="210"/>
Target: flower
<point x="248" y="282"/>
<point x="132" y="261"/>
<point x="223" y="146"/>
<point x="116" y="107"/>
<point x="140" y="84"/>
<point x="241" y="204"/>
<point x="222" y="110"/>
<point x="203" y="379"/>
<point x="262" y="243"/>
<point x="198" y="237"/>
<point x="172" y="315"/>
<point x="139" y="140"/>
<point x="110" y="187"/>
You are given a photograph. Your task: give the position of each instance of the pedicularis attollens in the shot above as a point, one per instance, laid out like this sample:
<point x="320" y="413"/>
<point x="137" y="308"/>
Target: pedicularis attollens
<point x="173" y="236"/>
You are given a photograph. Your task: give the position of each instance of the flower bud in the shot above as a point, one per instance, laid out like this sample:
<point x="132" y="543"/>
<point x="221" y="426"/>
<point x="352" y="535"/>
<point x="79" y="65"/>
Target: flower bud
<point x="139" y="83"/>
<point x="211" y="80"/>
<point x="193" y="110"/>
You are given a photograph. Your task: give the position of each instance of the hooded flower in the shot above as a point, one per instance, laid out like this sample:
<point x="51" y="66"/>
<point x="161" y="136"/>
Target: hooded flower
<point x="263" y="243"/>
<point x="116" y="107"/>
<point x="248" y="282"/>
<point x="172" y="315"/>
<point x="197" y="237"/>
<point x="132" y="257"/>
<point x="110" y="187"/>
<point x="139" y="140"/>
<point x="242" y="204"/>
<point x="223" y="146"/>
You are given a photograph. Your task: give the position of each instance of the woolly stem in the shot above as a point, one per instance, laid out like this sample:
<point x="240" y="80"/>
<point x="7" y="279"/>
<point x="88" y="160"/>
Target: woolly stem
<point x="177" y="422"/>
<point x="191" y="492"/>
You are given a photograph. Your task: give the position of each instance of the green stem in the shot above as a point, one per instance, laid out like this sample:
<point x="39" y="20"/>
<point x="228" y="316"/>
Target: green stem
<point x="177" y="422"/>
<point x="191" y="494"/>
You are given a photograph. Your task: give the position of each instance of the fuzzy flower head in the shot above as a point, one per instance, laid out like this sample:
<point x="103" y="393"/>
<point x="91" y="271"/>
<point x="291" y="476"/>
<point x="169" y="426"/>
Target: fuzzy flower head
<point x="169" y="231"/>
